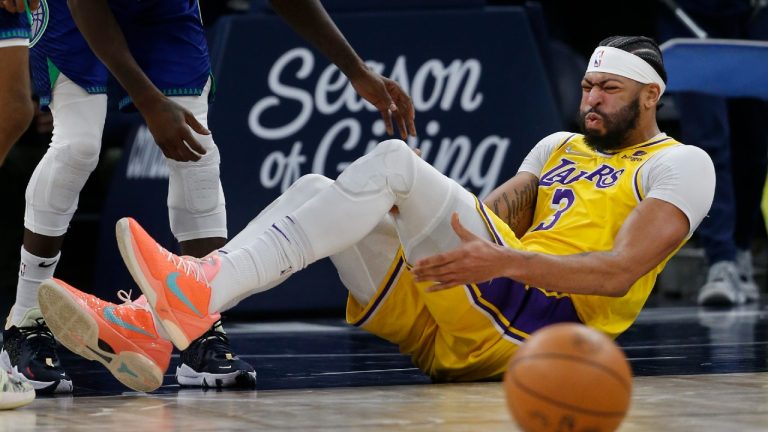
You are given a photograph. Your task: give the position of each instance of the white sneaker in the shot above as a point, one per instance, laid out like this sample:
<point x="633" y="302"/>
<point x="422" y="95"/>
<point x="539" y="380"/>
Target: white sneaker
<point x="15" y="390"/>
<point x="747" y="276"/>
<point x="723" y="287"/>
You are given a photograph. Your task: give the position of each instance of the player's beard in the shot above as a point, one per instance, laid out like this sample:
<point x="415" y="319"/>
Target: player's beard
<point x="617" y="127"/>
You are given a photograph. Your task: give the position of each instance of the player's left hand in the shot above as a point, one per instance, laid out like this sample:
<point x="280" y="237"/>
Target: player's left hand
<point x="475" y="260"/>
<point x="391" y="101"/>
<point x="17" y="6"/>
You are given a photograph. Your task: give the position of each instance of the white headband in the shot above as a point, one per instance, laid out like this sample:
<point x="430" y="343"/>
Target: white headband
<point x="619" y="62"/>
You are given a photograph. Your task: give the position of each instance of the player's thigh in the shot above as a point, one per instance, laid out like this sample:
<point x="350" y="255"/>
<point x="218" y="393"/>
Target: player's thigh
<point x="15" y="98"/>
<point x="366" y="266"/>
<point x="398" y="314"/>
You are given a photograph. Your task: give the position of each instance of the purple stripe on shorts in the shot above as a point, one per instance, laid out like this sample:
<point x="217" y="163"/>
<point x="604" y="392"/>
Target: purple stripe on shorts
<point x="529" y="309"/>
<point x="395" y="275"/>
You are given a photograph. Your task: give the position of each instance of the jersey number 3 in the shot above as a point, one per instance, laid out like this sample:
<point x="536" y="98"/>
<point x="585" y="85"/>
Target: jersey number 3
<point x="562" y="200"/>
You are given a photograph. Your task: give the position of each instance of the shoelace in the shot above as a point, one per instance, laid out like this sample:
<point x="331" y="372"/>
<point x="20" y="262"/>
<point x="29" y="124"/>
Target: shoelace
<point x="41" y="340"/>
<point x="186" y="264"/>
<point x="217" y="340"/>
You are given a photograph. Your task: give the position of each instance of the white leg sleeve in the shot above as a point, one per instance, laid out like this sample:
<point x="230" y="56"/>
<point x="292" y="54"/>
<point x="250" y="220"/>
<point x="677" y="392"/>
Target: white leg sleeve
<point x="196" y="207"/>
<point x="53" y="190"/>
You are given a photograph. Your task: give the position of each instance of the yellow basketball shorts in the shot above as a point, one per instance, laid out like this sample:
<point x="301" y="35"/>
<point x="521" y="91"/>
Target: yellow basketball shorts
<point x="466" y="333"/>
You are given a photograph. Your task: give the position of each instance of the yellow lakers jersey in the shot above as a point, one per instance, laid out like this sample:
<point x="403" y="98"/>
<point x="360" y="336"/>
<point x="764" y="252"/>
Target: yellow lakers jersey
<point x="584" y="197"/>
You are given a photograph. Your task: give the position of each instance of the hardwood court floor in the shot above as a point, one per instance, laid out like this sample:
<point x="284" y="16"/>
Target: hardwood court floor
<point x="696" y="370"/>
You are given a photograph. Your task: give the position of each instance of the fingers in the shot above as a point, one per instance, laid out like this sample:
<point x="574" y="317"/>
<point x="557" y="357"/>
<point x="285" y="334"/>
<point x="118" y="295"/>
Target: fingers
<point x="386" y="115"/>
<point x="189" y="141"/>
<point x="401" y="126"/>
<point x="195" y="125"/>
<point x="405" y="114"/>
<point x="34" y="5"/>
<point x="181" y="146"/>
<point x="434" y="268"/>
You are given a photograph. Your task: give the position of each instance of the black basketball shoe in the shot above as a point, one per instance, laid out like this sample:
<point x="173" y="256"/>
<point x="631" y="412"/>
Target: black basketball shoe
<point x="31" y="351"/>
<point x="210" y="362"/>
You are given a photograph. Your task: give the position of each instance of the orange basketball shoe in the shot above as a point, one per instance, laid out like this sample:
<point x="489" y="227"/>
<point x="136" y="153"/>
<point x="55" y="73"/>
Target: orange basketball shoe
<point x="177" y="287"/>
<point x="121" y="337"/>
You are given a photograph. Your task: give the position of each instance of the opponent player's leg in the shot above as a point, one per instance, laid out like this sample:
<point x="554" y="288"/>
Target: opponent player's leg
<point x="16" y="108"/>
<point x="197" y="216"/>
<point x="51" y="200"/>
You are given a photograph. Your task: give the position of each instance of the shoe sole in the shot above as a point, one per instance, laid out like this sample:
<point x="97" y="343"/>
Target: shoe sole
<point x="125" y="244"/>
<point x="188" y="377"/>
<point x="77" y="330"/>
<point x="16" y="400"/>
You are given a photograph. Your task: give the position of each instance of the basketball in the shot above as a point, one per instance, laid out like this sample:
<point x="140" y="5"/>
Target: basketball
<point x="568" y="377"/>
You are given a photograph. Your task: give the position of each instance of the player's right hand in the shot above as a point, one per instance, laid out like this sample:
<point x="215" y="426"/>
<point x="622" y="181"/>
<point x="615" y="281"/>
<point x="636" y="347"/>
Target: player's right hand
<point x="171" y="125"/>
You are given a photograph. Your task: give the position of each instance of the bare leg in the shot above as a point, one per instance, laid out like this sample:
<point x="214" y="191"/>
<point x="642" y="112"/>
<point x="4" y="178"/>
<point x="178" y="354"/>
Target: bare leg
<point x="16" y="108"/>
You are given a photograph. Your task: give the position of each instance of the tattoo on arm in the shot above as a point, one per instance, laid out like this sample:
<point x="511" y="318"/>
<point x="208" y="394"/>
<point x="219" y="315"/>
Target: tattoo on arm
<point x="517" y="210"/>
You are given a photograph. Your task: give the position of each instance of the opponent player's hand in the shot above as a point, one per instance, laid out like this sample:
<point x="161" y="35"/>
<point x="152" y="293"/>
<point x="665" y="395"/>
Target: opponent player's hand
<point x="475" y="260"/>
<point x="171" y="125"/>
<point x="391" y="101"/>
<point x="17" y="6"/>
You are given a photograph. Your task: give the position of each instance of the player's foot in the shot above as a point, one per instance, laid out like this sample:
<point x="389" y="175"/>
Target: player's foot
<point x="177" y="288"/>
<point x="210" y="362"/>
<point x="15" y="390"/>
<point x="30" y="349"/>
<point x="121" y="337"/>
<point x="723" y="287"/>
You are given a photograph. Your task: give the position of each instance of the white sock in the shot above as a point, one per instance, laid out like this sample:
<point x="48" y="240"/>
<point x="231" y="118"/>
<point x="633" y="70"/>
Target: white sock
<point x="33" y="270"/>
<point x="272" y="255"/>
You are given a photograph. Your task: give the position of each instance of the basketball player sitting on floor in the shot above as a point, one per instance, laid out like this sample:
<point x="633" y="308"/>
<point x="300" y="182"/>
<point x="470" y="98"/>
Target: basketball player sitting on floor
<point x="579" y="234"/>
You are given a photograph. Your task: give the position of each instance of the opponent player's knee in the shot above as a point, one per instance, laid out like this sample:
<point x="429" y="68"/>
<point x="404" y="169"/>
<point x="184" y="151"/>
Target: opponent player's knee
<point x="53" y="190"/>
<point x="60" y="176"/>
<point x="196" y="202"/>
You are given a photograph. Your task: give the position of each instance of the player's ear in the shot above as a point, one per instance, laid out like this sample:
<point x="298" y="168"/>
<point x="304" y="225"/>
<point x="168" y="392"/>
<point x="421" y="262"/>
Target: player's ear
<point x="650" y="95"/>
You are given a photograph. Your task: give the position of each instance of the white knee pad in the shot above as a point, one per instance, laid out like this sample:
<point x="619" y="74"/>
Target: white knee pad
<point x="389" y="168"/>
<point x="53" y="190"/>
<point x="196" y="206"/>
<point x="426" y="198"/>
